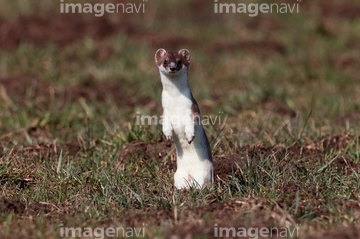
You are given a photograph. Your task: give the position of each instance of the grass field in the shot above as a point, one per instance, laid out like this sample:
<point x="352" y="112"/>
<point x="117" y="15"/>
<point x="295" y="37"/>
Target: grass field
<point x="285" y="89"/>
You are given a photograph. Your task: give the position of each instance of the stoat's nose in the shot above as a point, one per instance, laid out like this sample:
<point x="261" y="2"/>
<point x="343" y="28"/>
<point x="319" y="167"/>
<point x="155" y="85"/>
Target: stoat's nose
<point x="172" y="66"/>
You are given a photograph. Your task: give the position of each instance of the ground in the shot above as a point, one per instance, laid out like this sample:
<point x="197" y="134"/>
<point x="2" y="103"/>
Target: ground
<point x="283" y="91"/>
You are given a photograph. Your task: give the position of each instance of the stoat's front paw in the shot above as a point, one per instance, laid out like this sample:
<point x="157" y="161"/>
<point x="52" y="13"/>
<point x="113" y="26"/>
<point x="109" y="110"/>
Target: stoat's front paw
<point x="167" y="131"/>
<point x="190" y="135"/>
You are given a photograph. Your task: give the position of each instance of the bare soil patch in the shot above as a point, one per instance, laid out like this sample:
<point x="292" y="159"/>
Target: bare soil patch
<point x="20" y="88"/>
<point x="155" y="151"/>
<point x="141" y="149"/>
<point x="64" y="30"/>
<point x="21" y="208"/>
<point x="339" y="10"/>
<point x="17" y="88"/>
<point x="103" y="91"/>
<point x="254" y="46"/>
<point x="343" y="232"/>
<point x="275" y="105"/>
<point x="59" y="29"/>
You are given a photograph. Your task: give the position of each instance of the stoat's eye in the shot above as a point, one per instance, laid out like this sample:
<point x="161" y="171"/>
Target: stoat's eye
<point x="166" y="62"/>
<point x="178" y="62"/>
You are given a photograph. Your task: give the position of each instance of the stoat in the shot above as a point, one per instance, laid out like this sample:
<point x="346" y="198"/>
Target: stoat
<point x="182" y="121"/>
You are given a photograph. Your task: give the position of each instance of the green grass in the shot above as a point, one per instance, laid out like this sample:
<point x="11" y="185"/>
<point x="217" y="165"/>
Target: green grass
<point x="287" y="149"/>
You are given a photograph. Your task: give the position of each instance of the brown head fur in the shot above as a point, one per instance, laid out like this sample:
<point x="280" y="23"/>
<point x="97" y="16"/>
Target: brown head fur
<point x="164" y="58"/>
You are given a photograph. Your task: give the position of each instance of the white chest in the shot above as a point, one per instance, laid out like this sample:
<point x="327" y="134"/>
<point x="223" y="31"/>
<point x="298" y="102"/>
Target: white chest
<point x="177" y="109"/>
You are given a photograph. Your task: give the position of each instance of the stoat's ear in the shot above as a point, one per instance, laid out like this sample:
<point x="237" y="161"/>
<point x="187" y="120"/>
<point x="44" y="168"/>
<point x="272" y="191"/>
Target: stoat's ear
<point x="159" y="56"/>
<point x="185" y="54"/>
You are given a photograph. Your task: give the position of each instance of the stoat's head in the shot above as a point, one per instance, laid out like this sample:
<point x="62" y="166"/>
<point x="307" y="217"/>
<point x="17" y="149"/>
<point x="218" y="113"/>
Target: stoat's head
<point x="172" y="63"/>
